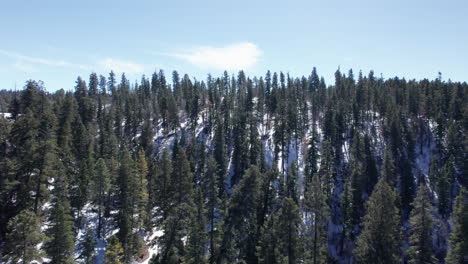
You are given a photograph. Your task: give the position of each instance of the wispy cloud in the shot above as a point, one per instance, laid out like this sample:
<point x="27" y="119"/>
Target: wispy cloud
<point x="25" y="67"/>
<point x="27" y="63"/>
<point x="120" y="65"/>
<point x="43" y="61"/>
<point x="230" y="57"/>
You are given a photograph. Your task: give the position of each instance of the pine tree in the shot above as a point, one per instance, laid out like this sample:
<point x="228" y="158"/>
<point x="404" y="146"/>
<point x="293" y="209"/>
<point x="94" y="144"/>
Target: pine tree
<point x="327" y="168"/>
<point x="240" y="224"/>
<point x="219" y="154"/>
<point x="181" y="208"/>
<point x="93" y="84"/>
<point x="83" y="174"/>
<point x="457" y="252"/>
<point x="127" y="184"/>
<point x="86" y="246"/>
<point x="213" y="206"/>
<point x="291" y="182"/>
<point x="267" y="251"/>
<point x="254" y="142"/>
<point x="289" y="227"/>
<point x="316" y="210"/>
<point x="23" y="237"/>
<point x="356" y="189"/>
<point x="240" y="146"/>
<point x="162" y="185"/>
<point x="422" y="224"/>
<point x="196" y="242"/>
<point x="115" y="252"/>
<point x="34" y="149"/>
<point x="61" y="244"/>
<point x="388" y="169"/>
<point x="142" y="188"/>
<point x="379" y="240"/>
<point x="311" y="159"/>
<point x="101" y="184"/>
<point x="370" y="167"/>
<point x="443" y="189"/>
<point x="347" y="208"/>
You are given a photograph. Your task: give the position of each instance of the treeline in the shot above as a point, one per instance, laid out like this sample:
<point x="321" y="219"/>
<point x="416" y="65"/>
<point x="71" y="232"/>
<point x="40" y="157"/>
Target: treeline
<point x="274" y="169"/>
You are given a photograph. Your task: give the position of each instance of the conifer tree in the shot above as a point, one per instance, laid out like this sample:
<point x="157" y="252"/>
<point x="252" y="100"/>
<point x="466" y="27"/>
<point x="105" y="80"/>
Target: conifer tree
<point x="219" y="154"/>
<point x="83" y="174"/>
<point x="127" y="184"/>
<point x="115" y="252"/>
<point x="240" y="224"/>
<point x="291" y="183"/>
<point x="388" y="169"/>
<point x="380" y="237"/>
<point x="267" y="251"/>
<point x="61" y="244"/>
<point x="370" y="167"/>
<point x="162" y="185"/>
<point x="316" y="209"/>
<point x="443" y="189"/>
<point x="141" y="188"/>
<point x="93" y="84"/>
<point x="181" y="208"/>
<point x="289" y="227"/>
<point x="347" y="208"/>
<point x="23" y="237"/>
<point x="327" y="168"/>
<point x="458" y="243"/>
<point x="213" y="206"/>
<point x="254" y="142"/>
<point x="86" y="246"/>
<point x="101" y="185"/>
<point x="196" y="244"/>
<point x="240" y="152"/>
<point x="311" y="158"/>
<point x="422" y="224"/>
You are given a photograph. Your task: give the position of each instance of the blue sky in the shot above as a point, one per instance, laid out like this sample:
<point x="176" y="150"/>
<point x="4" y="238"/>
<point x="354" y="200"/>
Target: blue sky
<point x="56" y="41"/>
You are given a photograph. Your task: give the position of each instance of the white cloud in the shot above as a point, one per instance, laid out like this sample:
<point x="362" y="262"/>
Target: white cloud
<point x="120" y="65"/>
<point x="37" y="60"/>
<point x="33" y="64"/>
<point x="25" y="67"/>
<point x="236" y="56"/>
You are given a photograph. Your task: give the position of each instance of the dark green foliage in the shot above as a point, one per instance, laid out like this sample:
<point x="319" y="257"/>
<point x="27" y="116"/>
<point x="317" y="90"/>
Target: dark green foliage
<point x="86" y="246"/>
<point x="317" y="215"/>
<point x="289" y="226"/>
<point x="197" y="239"/>
<point x="311" y="159"/>
<point x="61" y="244"/>
<point x="23" y="238"/>
<point x="457" y="253"/>
<point x="443" y="188"/>
<point x="291" y="183"/>
<point x="179" y="212"/>
<point x="213" y="206"/>
<point x="219" y="154"/>
<point x="100" y="190"/>
<point x="380" y="237"/>
<point x="235" y="169"/>
<point x="422" y="224"/>
<point x="127" y="184"/>
<point x="240" y="228"/>
<point x="115" y="252"/>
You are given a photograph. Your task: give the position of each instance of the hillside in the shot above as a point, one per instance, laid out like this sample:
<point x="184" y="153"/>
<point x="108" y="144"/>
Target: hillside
<point x="234" y="169"/>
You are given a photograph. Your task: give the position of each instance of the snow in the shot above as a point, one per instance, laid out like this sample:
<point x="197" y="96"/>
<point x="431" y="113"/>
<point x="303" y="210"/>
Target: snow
<point x="153" y="248"/>
<point x="295" y="151"/>
<point x="6" y="115"/>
